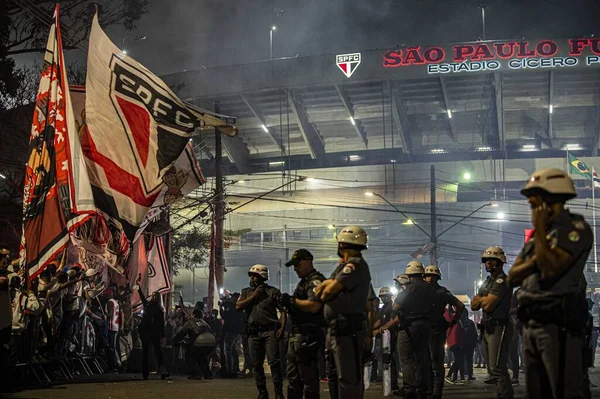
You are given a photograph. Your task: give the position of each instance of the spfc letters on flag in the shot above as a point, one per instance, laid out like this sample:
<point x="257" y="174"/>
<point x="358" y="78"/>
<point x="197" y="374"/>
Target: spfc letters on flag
<point x="348" y="63"/>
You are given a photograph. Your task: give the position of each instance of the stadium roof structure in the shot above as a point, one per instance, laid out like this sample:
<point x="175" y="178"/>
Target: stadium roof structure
<point x="482" y="100"/>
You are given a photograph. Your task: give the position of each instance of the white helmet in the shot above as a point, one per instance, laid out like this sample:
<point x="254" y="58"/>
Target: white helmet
<point x="414" y="267"/>
<point x="433" y="269"/>
<point x="494" y="253"/>
<point x="402" y="279"/>
<point x="261" y="270"/>
<point x="353" y="235"/>
<point x="385" y="291"/>
<point x="552" y="181"/>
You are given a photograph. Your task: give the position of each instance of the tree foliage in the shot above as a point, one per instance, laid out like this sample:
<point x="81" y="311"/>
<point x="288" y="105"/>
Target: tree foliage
<point x="24" y="26"/>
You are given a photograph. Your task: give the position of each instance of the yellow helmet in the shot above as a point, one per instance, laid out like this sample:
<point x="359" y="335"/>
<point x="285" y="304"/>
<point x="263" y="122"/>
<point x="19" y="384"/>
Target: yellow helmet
<point x="552" y="181"/>
<point x="494" y="253"/>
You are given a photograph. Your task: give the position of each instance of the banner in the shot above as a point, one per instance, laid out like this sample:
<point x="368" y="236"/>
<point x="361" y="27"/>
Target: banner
<point x="57" y="195"/>
<point x="138" y="264"/>
<point x="136" y="131"/>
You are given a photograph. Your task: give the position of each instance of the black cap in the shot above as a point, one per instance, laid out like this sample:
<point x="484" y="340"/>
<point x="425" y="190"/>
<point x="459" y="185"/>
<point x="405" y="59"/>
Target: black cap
<point x="300" y="254"/>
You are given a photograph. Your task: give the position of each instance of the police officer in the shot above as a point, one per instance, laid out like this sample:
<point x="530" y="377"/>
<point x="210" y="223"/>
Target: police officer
<point x="345" y="295"/>
<point x="552" y="305"/>
<point x="260" y="302"/>
<point x="383" y="316"/>
<point x="307" y="338"/>
<point x="494" y="299"/>
<point x="443" y="297"/>
<point x="199" y="341"/>
<point x="414" y="307"/>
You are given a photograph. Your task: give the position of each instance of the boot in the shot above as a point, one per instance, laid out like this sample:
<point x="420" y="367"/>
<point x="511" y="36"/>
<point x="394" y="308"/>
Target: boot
<point x="279" y="392"/>
<point x="164" y="373"/>
<point x="291" y="394"/>
<point x="334" y="392"/>
<point x="262" y="392"/>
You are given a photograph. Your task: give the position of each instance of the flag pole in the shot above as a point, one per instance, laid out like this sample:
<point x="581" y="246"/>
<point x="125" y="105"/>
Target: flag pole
<point x="569" y="165"/>
<point x="594" y="220"/>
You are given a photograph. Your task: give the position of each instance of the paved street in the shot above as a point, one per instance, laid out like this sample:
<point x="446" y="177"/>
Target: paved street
<point x="131" y="386"/>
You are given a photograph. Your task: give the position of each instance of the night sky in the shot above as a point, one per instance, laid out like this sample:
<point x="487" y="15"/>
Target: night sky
<point x="190" y="34"/>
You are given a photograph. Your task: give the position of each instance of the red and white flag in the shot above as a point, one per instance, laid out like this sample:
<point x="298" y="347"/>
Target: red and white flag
<point x="57" y="196"/>
<point x="137" y="129"/>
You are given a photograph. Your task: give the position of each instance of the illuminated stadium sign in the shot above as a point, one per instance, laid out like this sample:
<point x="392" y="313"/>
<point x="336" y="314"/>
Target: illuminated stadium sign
<point x="496" y="56"/>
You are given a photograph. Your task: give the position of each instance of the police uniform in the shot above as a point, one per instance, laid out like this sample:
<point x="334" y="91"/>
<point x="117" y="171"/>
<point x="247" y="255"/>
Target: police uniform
<point x="553" y="314"/>
<point x="261" y="328"/>
<point x="305" y="342"/>
<point x="498" y="332"/>
<point x="384" y="315"/>
<point x="346" y="319"/>
<point x="415" y="306"/>
<point x="437" y="342"/>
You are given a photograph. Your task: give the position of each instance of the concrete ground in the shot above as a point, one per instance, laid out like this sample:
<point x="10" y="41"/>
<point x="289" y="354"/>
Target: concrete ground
<point x="178" y="387"/>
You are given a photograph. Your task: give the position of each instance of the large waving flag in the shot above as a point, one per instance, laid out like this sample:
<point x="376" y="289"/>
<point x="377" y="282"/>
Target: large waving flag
<point x="596" y="178"/>
<point x="579" y="167"/>
<point x="57" y="196"/>
<point x="137" y="129"/>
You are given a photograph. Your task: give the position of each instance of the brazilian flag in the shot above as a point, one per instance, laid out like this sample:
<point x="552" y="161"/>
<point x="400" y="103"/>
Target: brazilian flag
<point x="579" y="167"/>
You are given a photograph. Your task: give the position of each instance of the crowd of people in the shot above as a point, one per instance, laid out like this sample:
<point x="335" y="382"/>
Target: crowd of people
<point x="332" y="329"/>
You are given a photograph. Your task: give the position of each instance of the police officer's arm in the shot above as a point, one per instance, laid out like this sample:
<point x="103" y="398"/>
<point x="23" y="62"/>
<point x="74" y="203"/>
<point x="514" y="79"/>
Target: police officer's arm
<point x="243" y="301"/>
<point x="476" y="302"/>
<point x="312" y="304"/>
<point x="492" y="299"/>
<point x="460" y="307"/>
<point x="521" y="270"/>
<point x="394" y="320"/>
<point x="328" y="290"/>
<point x="557" y="257"/>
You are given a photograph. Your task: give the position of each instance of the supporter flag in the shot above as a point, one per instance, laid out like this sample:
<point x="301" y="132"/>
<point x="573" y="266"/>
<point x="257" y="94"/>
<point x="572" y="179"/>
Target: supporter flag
<point x="579" y="167"/>
<point x="158" y="268"/>
<point x="137" y="129"/>
<point x="596" y="178"/>
<point x="57" y="195"/>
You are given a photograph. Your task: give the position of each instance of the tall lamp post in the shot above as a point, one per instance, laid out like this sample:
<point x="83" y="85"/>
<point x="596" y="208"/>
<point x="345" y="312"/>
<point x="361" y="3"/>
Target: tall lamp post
<point x="432" y="238"/>
<point x="273" y="29"/>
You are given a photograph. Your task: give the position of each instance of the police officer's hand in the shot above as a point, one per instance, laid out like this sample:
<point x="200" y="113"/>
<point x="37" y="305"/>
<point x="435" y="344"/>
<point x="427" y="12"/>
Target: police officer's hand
<point x="280" y="333"/>
<point x="258" y="291"/>
<point x="319" y="289"/>
<point x="540" y="216"/>
<point x="286" y="300"/>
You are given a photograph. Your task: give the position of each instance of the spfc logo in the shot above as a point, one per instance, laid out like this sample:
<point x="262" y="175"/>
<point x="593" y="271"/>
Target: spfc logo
<point x="348" y="63"/>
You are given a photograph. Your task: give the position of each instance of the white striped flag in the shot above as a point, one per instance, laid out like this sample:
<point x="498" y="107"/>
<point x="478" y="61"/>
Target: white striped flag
<point x="596" y="178"/>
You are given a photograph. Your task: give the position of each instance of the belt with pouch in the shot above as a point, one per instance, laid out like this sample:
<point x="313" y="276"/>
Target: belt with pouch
<point x="348" y="325"/>
<point x="252" y="329"/>
<point x="568" y="311"/>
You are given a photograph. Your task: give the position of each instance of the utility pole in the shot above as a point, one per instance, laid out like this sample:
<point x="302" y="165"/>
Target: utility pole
<point x="433" y="232"/>
<point x="219" y="208"/>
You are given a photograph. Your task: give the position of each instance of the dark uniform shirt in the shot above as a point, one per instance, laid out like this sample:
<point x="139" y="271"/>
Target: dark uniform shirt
<point x="498" y="287"/>
<point x="355" y="277"/>
<point x="385" y="313"/>
<point x="572" y="234"/>
<point x="264" y="311"/>
<point x="305" y="290"/>
<point x="443" y="297"/>
<point x="416" y="301"/>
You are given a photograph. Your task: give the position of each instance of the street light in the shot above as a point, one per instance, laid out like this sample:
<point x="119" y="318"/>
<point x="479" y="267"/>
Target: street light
<point x="138" y="38"/>
<point x="273" y="29"/>
<point x="371" y="194"/>
<point x="467" y="176"/>
<point x="2" y="176"/>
